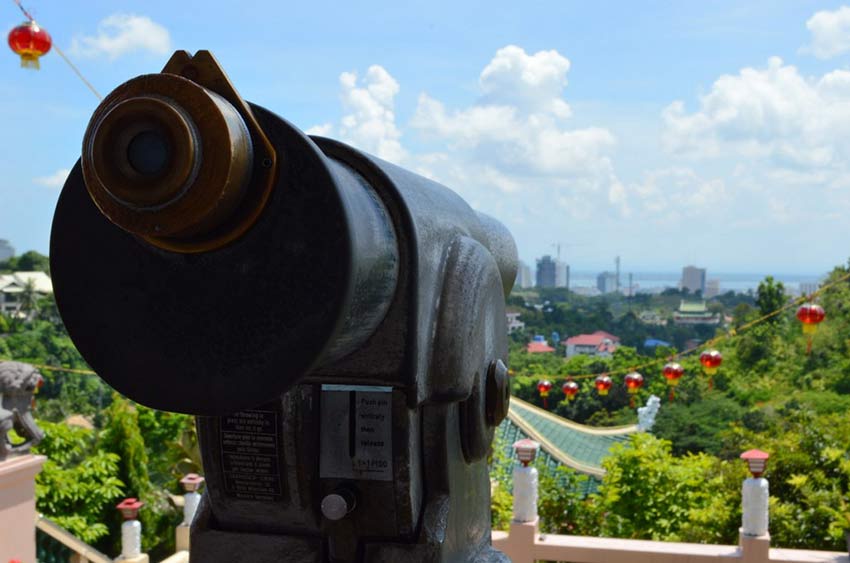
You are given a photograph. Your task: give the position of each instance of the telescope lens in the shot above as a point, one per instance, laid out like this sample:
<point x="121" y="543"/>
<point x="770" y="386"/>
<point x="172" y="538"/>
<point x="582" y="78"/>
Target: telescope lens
<point x="148" y="153"/>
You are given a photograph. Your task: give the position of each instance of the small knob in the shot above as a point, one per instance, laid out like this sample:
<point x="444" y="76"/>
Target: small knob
<point x="337" y="505"/>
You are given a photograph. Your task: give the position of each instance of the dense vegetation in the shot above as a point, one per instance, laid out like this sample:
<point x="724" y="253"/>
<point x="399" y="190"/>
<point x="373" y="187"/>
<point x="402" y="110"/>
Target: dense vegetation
<point x="681" y="483"/>
<point x="769" y="394"/>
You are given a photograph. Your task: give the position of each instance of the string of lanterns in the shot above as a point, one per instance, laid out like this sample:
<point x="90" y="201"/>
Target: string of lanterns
<point x="809" y="314"/>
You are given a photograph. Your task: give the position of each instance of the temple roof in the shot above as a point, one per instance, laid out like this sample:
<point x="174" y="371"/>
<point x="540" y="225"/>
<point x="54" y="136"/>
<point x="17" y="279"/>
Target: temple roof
<point x="569" y="443"/>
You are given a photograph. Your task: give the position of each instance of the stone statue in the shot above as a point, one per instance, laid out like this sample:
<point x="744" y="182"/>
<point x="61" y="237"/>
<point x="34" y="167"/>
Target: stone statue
<point x="18" y="382"/>
<point x="646" y="415"/>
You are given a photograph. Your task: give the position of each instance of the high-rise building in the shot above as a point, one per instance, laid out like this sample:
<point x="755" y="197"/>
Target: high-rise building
<point x="524" y="278"/>
<point x="562" y="274"/>
<point x="6" y="250"/>
<point x="546" y="272"/>
<point x="606" y="282"/>
<point x="693" y="279"/>
<point x="712" y="289"/>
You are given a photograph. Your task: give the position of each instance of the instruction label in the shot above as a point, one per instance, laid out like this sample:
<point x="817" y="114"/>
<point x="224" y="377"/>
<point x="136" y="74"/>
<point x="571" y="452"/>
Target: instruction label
<point x="356" y="437"/>
<point x="249" y="455"/>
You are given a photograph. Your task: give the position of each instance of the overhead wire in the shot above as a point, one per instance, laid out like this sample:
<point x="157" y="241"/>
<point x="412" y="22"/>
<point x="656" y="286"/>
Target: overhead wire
<point x="59" y="52"/>
<point x="729" y="335"/>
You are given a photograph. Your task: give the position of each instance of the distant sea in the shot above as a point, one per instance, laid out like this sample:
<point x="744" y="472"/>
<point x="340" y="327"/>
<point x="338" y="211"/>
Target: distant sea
<point x="655" y="282"/>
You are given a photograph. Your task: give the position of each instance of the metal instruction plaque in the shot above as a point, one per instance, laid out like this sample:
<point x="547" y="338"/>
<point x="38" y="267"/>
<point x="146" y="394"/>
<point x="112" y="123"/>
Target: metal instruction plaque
<point x="356" y="435"/>
<point x="250" y="454"/>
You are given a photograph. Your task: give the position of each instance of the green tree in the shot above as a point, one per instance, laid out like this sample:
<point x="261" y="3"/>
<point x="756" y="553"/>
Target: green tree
<point x="122" y="436"/>
<point x="78" y="486"/>
<point x="647" y="493"/>
<point x="771" y="297"/>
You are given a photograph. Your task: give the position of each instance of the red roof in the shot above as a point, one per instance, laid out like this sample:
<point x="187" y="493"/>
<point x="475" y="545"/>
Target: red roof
<point x="596" y="339"/>
<point x="538" y="348"/>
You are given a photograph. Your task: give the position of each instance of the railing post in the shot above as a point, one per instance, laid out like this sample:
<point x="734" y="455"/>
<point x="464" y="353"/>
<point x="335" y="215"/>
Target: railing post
<point x="131" y="532"/>
<point x="17" y="507"/>
<point x="525" y="482"/>
<point x="755" y="497"/>
<point x="191" y="484"/>
<point x="519" y="545"/>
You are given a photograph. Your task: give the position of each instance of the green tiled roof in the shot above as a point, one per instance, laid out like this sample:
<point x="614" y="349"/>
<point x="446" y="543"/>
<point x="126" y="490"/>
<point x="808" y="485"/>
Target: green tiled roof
<point x="692" y="307"/>
<point x="569" y="443"/>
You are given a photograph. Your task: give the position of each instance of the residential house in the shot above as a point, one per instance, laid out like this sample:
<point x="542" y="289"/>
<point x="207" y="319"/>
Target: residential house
<point x="599" y="344"/>
<point x="514" y="324"/>
<point x="13" y="285"/>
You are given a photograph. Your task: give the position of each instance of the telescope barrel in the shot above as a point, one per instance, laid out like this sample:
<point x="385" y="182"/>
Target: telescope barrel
<point x="166" y="313"/>
<point x="337" y="321"/>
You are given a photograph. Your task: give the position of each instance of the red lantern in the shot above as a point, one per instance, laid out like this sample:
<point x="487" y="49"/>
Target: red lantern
<point x="30" y="42"/>
<point x="603" y="384"/>
<point x="543" y="388"/>
<point x="811" y="316"/>
<point x="711" y="360"/>
<point x="673" y="372"/>
<point x="570" y="389"/>
<point x="634" y="381"/>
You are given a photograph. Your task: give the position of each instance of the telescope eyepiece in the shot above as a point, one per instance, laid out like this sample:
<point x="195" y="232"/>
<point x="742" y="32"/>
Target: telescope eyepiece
<point x="166" y="159"/>
<point x="144" y="155"/>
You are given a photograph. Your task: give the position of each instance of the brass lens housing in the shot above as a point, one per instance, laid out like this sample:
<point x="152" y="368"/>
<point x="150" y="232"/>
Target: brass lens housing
<point x="168" y="160"/>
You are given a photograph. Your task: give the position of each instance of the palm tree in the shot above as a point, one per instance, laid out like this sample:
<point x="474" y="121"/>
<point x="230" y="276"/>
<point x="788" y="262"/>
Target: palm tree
<point x="28" y="302"/>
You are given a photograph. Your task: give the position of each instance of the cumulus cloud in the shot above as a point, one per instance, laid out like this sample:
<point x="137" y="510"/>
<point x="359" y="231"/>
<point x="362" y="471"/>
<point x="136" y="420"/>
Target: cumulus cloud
<point x="830" y="33"/>
<point x="772" y="114"/>
<point x="55" y="180"/>
<point x="530" y="82"/>
<point x="369" y="120"/>
<point x="735" y="164"/>
<point x="677" y="192"/>
<point x="120" y="34"/>
<point x="517" y="138"/>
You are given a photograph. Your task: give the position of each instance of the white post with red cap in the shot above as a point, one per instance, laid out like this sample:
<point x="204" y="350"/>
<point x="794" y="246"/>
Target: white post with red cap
<point x="755" y="495"/>
<point x="131" y="531"/>
<point x="191" y="499"/>
<point x="525" y="482"/>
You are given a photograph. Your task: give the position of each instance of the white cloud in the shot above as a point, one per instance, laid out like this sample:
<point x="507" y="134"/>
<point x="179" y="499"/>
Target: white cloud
<point x="516" y="138"/>
<point x="830" y="33"/>
<point x="55" y="180"/>
<point x="369" y="121"/>
<point x="669" y="194"/>
<point x="530" y="82"/>
<point x="757" y="146"/>
<point x="512" y="153"/>
<point x="120" y="34"/>
<point x="772" y="114"/>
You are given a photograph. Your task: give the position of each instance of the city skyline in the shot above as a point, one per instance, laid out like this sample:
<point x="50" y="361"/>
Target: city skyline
<point x="667" y="134"/>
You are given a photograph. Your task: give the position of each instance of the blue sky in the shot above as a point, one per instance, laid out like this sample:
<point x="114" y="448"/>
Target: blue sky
<point x="668" y="133"/>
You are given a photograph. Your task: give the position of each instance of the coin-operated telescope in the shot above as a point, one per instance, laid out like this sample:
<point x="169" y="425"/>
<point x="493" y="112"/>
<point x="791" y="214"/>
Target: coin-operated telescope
<point x="336" y="322"/>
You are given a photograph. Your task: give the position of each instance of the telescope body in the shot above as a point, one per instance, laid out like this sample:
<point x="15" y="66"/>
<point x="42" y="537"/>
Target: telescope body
<point x="336" y="323"/>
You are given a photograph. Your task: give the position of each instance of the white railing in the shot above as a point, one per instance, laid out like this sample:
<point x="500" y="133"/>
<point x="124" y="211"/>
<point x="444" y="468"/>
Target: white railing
<point x="525" y="544"/>
<point x="83" y="553"/>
